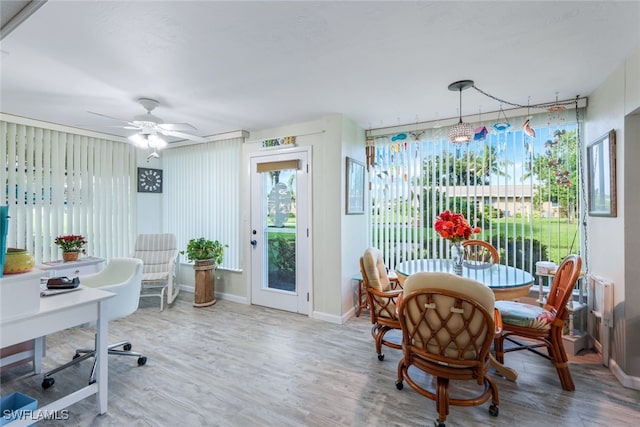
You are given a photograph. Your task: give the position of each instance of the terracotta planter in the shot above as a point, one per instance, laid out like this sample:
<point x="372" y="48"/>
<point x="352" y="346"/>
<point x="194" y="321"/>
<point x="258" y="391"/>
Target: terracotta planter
<point x="205" y="283"/>
<point x="70" y="256"/>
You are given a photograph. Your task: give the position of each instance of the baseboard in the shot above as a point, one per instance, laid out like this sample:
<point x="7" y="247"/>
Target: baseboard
<point x="626" y="380"/>
<point x="218" y="295"/>
<point x="331" y="318"/>
<point x="187" y="288"/>
<point x="232" y="298"/>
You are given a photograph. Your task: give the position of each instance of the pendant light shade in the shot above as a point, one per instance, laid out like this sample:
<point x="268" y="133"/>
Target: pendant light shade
<point x="460" y="133"/>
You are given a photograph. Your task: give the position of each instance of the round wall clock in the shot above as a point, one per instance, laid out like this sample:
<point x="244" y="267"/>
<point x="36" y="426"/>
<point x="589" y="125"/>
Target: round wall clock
<point x="149" y="180"/>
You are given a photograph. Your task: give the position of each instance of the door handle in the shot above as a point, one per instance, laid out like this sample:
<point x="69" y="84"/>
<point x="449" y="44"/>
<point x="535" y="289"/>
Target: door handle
<point x="254" y="243"/>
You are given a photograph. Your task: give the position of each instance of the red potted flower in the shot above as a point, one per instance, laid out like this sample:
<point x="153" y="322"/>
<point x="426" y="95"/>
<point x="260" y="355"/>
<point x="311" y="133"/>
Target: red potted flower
<point x="71" y="246"/>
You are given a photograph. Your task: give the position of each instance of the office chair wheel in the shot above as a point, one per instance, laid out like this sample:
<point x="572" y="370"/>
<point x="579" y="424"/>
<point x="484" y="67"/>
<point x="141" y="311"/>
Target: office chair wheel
<point x="126" y="347"/>
<point x="493" y="410"/>
<point x="381" y="357"/>
<point x="142" y="360"/>
<point x="48" y="382"/>
<point x="399" y="385"/>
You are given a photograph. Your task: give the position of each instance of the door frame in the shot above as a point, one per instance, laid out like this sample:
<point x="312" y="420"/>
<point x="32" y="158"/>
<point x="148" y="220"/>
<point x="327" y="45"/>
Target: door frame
<point x="306" y="245"/>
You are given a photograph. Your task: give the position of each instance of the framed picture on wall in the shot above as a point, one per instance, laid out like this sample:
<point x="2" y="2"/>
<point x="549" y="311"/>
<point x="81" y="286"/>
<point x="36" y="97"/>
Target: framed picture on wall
<point x="601" y="175"/>
<point x="355" y="187"/>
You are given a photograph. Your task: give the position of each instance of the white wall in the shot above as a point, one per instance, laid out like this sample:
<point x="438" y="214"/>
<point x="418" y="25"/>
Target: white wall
<point x="149" y="209"/>
<point x="613" y="245"/>
<point x="354" y="227"/>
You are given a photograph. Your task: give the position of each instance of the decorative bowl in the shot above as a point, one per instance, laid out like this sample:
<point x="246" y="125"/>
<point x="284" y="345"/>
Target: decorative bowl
<point x="18" y="261"/>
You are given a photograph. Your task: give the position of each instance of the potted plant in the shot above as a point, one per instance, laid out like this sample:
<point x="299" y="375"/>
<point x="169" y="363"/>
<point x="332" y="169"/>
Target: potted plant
<point x="71" y="246"/>
<point x="206" y="255"/>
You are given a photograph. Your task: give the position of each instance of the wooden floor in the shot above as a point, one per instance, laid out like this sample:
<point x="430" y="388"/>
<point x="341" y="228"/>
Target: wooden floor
<point x="238" y="365"/>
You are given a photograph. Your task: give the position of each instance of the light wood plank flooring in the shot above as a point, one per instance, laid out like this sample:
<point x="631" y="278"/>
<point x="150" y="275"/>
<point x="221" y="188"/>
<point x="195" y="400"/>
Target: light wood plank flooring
<point x="238" y="365"/>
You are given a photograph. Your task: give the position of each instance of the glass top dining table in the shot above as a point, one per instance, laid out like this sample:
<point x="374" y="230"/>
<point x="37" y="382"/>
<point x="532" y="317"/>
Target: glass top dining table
<point x="506" y="282"/>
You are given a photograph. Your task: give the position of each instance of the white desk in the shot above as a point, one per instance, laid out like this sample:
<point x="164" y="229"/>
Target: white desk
<point x="56" y="313"/>
<point x="84" y="266"/>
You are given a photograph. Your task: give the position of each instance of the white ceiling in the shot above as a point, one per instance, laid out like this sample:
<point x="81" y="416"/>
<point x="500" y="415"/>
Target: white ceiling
<point x="225" y="66"/>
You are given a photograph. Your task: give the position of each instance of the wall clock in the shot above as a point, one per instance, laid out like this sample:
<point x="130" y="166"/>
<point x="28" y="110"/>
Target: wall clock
<point x="149" y="180"/>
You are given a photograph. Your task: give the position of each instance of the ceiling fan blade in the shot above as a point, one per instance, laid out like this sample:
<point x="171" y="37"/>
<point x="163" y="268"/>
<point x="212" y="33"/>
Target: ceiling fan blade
<point x="112" y="118"/>
<point x="183" y="135"/>
<point x="176" y="126"/>
<point x="131" y="125"/>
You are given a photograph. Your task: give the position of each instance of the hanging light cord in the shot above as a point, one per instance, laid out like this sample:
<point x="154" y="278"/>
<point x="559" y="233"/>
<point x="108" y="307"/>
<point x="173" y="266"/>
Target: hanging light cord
<point x="513" y="104"/>
<point x="460" y="108"/>
<point x="585" y="209"/>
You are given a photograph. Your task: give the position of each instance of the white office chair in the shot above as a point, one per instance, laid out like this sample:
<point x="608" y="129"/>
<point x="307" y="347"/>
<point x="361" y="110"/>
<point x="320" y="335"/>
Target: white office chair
<point x="159" y="253"/>
<point x="123" y="277"/>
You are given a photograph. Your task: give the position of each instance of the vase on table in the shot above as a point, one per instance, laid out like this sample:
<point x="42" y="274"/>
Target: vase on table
<point x="70" y="256"/>
<point x="457" y="257"/>
<point x="18" y="261"/>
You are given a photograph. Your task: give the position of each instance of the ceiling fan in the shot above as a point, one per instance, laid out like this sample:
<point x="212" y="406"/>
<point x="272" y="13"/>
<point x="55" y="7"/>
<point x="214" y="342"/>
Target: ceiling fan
<point x="150" y="128"/>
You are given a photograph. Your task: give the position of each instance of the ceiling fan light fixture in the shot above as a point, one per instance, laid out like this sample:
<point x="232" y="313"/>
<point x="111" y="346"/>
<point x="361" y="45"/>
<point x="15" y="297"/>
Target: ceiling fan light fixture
<point x="139" y="140"/>
<point x="156" y="142"/>
<point x="143" y="140"/>
<point x="461" y="133"/>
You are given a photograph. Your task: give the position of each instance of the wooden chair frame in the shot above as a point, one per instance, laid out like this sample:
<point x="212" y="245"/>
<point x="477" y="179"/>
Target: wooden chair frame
<point x="480" y="251"/>
<point x="559" y="294"/>
<point x="383" y="317"/>
<point x="439" y="363"/>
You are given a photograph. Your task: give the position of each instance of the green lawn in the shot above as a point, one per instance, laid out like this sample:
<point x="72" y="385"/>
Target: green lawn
<point x="558" y="235"/>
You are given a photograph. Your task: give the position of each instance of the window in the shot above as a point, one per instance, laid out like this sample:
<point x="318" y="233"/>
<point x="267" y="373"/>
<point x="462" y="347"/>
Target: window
<point x="62" y="183"/>
<point x="202" y="195"/>
<point x="523" y="191"/>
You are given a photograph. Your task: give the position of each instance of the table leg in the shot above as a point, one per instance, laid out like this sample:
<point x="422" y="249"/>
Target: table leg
<point x="102" y="373"/>
<point x="38" y="348"/>
<point x="501" y="369"/>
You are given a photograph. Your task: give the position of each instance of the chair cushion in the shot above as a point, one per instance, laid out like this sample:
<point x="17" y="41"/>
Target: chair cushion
<point x="454" y="340"/>
<point x="524" y="315"/>
<point x="376" y="270"/>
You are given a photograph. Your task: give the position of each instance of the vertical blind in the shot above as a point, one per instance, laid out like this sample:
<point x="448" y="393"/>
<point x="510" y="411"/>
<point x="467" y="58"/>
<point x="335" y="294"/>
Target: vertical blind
<point x="522" y="190"/>
<point x="59" y="183"/>
<point x="202" y="195"/>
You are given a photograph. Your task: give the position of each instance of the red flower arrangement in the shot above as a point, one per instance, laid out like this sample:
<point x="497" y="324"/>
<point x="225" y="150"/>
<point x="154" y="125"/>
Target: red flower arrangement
<point x="454" y="227"/>
<point x="70" y="243"/>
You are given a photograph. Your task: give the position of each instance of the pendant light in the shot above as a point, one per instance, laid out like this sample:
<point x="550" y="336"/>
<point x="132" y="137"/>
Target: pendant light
<point x="460" y="133"/>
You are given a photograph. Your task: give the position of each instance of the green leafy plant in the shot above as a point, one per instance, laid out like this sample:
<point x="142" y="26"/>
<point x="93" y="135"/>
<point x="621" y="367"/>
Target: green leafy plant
<point x="204" y="249"/>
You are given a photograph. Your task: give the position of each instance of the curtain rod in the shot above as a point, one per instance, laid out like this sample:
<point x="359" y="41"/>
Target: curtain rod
<point x="490" y="115"/>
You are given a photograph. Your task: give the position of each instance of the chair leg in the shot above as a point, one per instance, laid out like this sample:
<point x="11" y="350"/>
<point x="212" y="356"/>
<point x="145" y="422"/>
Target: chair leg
<point x="498" y="348"/>
<point x="83" y="354"/>
<point x="560" y="361"/>
<point x="442" y="399"/>
<point x="162" y="298"/>
<point x="377" y="332"/>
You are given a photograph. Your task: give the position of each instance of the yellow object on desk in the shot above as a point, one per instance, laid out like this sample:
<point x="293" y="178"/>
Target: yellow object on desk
<point x="18" y="261"/>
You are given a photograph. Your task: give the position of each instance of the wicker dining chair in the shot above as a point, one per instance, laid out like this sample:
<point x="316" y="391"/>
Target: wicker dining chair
<point x="448" y="325"/>
<point x="478" y="254"/>
<point x="382" y="299"/>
